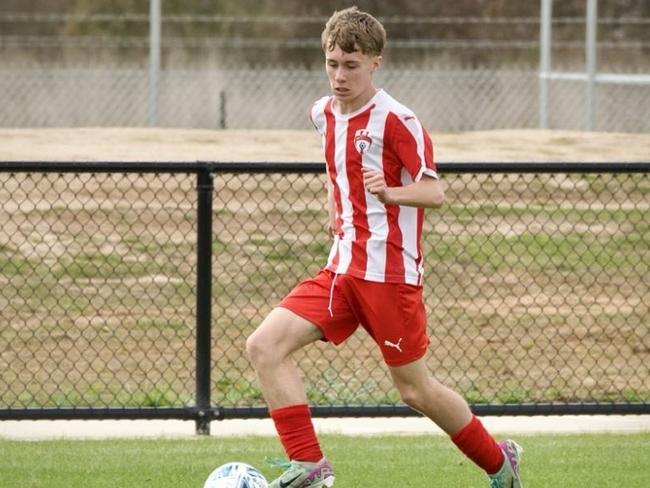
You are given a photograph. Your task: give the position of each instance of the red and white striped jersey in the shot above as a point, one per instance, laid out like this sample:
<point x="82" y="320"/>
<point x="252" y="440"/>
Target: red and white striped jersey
<point x="373" y="241"/>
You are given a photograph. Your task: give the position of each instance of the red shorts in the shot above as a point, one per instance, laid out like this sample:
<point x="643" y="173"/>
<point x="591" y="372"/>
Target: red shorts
<point x="392" y="313"/>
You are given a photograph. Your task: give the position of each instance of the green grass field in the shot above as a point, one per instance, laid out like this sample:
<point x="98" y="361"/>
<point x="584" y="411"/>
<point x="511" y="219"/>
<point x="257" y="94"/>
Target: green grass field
<point x="578" y="461"/>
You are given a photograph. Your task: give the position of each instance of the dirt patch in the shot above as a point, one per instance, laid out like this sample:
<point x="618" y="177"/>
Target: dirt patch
<point x="123" y="144"/>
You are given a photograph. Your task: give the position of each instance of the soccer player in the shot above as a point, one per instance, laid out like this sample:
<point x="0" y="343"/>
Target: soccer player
<point x="381" y="176"/>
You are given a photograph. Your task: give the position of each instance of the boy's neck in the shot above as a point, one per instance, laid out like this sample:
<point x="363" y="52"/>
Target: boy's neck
<point x="356" y="104"/>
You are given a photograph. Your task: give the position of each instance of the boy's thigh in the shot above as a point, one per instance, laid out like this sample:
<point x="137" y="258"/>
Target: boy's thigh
<point x="320" y="301"/>
<point x="285" y="332"/>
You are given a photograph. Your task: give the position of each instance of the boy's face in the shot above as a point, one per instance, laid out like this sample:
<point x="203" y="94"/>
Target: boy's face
<point x="350" y="76"/>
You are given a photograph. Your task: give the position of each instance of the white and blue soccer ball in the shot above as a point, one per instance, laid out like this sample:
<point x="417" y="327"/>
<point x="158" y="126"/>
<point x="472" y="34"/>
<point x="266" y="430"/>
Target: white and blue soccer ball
<point x="236" y="475"/>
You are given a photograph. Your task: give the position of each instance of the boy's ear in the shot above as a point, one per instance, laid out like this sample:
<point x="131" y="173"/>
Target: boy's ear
<point x="377" y="63"/>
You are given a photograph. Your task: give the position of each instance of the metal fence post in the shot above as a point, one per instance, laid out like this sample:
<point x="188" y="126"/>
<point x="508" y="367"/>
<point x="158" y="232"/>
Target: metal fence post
<point x="590" y="61"/>
<point x="222" y="109"/>
<point x="544" y="60"/>
<point x="154" y="60"/>
<point x="203" y="300"/>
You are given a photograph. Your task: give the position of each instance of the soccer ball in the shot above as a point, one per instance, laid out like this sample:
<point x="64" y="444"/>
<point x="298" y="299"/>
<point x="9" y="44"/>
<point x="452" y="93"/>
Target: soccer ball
<point x="236" y="475"/>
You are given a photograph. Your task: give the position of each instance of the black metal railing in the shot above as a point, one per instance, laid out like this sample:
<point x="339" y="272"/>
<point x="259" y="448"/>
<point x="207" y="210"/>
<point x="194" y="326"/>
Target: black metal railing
<point x="128" y="289"/>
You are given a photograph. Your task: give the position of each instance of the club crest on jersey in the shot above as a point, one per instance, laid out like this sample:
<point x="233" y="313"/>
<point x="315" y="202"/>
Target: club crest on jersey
<point x="362" y="140"/>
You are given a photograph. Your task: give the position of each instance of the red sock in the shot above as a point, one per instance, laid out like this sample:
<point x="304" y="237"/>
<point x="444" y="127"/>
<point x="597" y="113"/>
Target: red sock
<point x="478" y="445"/>
<point x="297" y="433"/>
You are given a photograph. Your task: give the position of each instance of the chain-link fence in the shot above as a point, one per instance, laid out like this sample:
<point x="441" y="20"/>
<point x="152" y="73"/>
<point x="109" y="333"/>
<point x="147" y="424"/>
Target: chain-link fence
<point x="446" y="99"/>
<point x="98" y="289"/>
<point x="464" y="72"/>
<point x="537" y="288"/>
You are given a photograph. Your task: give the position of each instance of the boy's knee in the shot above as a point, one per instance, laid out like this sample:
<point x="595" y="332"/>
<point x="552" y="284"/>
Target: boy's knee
<point x="262" y="351"/>
<point x="411" y="396"/>
<point x="255" y="350"/>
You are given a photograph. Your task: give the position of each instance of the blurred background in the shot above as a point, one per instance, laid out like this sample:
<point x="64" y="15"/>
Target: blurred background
<point x="242" y="64"/>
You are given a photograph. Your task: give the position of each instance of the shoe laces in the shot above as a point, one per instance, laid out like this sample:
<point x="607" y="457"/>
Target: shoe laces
<point x="495" y="483"/>
<point x="278" y="463"/>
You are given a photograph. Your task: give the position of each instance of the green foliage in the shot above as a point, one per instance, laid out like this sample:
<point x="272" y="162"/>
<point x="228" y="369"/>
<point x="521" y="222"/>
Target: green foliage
<point x="130" y="21"/>
<point x="619" y="8"/>
<point x="237" y="391"/>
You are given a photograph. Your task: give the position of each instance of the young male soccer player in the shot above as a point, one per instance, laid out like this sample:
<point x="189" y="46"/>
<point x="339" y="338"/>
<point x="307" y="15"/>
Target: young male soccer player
<point x="381" y="176"/>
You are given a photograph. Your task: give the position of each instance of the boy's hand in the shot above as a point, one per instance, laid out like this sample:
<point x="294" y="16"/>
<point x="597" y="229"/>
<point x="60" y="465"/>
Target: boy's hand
<point x="375" y="184"/>
<point x="331" y="228"/>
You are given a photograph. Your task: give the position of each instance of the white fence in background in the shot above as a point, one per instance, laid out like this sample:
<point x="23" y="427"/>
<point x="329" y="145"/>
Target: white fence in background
<point x="444" y="99"/>
<point x="591" y="77"/>
<point x="176" y="76"/>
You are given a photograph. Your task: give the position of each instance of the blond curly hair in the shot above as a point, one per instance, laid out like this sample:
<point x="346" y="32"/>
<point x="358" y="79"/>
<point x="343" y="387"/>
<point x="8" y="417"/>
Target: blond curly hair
<point x="353" y="30"/>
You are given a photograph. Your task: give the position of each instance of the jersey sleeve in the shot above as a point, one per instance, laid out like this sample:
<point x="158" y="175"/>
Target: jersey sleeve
<point x="412" y="146"/>
<point x="317" y="115"/>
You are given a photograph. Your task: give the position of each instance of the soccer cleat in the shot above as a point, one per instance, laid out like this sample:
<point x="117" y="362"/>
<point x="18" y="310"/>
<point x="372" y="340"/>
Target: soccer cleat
<point x="508" y="475"/>
<point x="302" y="474"/>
